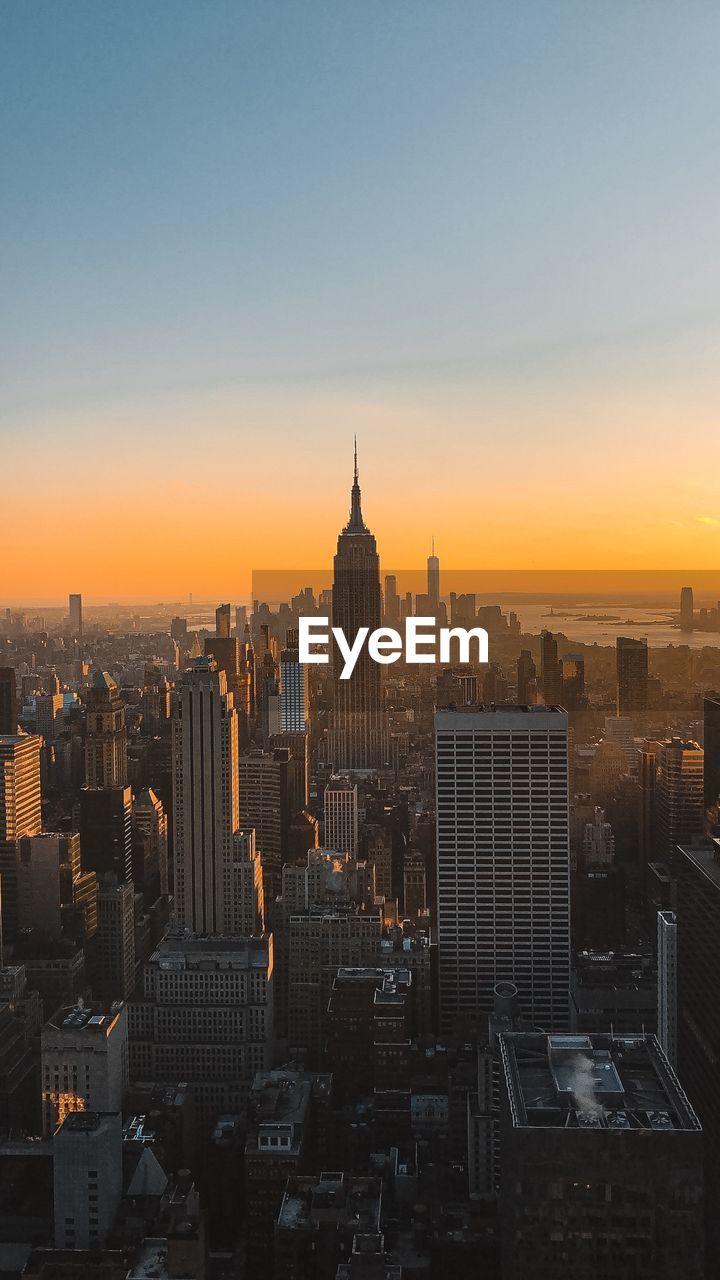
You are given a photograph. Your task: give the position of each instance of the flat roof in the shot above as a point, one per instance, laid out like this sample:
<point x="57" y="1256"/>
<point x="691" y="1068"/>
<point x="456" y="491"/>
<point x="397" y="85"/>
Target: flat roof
<point x="704" y="857"/>
<point x="500" y="716"/>
<point x="600" y="1081"/>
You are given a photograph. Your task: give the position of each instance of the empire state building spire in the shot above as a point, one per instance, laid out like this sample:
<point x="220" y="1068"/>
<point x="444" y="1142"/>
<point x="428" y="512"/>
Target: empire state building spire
<point x="355" y="524"/>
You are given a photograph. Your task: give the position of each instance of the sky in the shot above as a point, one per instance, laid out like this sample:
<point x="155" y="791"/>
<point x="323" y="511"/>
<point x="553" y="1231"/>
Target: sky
<point x="481" y="234"/>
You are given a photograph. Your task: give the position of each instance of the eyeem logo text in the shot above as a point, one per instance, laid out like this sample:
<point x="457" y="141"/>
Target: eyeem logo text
<point x="423" y="642"/>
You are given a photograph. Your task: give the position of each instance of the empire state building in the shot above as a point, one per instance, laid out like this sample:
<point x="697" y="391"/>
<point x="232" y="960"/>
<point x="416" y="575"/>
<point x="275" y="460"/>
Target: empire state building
<point x="359" y="737"/>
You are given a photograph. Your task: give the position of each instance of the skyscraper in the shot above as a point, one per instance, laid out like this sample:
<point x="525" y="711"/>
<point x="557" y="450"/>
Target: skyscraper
<point x="679" y="806"/>
<point x="75" y="618"/>
<point x="222" y="622"/>
<point x="667" y="984"/>
<point x="20" y="813"/>
<point x="503" y="861"/>
<point x="392" y="600"/>
<point x="551" y="671"/>
<point x="248" y="906"/>
<point x="526" y="678"/>
<point x="433" y="580"/>
<point x="8" y="701"/>
<point x="106" y="830"/>
<point x="711" y="747"/>
<point x="687" y="609"/>
<point x="150" y="846"/>
<point x="266" y="792"/>
<point x="341" y="816"/>
<point x="205" y="789"/>
<point x="359" y="738"/>
<point x="631" y="659"/>
<point x="293" y="693"/>
<point x="697" y="874"/>
<point x="105" y="735"/>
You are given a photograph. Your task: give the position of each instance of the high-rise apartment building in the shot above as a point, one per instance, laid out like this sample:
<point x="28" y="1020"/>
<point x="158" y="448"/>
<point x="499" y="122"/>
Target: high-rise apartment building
<point x="601" y="1158"/>
<point x="359" y="738"/>
<point x="20" y="814"/>
<point x="205" y="1017"/>
<point x="84" y="1061"/>
<point x="503" y="861"/>
<point x="631" y="662"/>
<point x="679" y="804"/>
<point x="341" y="816"/>
<point x="205" y="789"/>
<point x="105" y="734"/>
<point x="667" y="984"/>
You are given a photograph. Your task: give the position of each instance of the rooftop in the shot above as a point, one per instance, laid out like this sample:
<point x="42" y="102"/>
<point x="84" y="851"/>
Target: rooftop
<point x="96" y="1019"/>
<point x="594" y="1081"/>
<point x="706" y="858"/>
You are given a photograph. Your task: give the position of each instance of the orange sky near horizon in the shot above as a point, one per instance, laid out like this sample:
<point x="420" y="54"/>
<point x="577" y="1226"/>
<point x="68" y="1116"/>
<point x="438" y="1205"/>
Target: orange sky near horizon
<point x="150" y="500"/>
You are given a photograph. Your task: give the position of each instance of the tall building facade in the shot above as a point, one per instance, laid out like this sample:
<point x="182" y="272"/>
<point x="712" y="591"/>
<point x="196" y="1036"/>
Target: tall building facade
<point x="8" y="702"/>
<point x="205" y="790"/>
<point x="687" y="609"/>
<point x="205" y="1016"/>
<point x="602" y="1161"/>
<point x="294" y="708"/>
<point x="679" y="803"/>
<point x="20" y="814"/>
<point x="105" y="734"/>
<point x="433" y="580"/>
<point x="341" y="816"/>
<point x="83" y="1061"/>
<point x="75" y="617"/>
<point x="87" y="1176"/>
<point x="631" y="662"/>
<point x="359" y="738"/>
<point x="266" y="793"/>
<point x="114" y="948"/>
<point x="711" y="747"/>
<point x="551" y="670"/>
<point x="697" y="889"/>
<point x="503" y="861"/>
<point x="667" y="984"/>
<point x="248" y="905"/>
<point x="105" y="820"/>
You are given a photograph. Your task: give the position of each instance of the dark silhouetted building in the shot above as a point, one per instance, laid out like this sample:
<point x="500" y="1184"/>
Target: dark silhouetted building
<point x="631" y="660"/>
<point x="601" y="1161"/>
